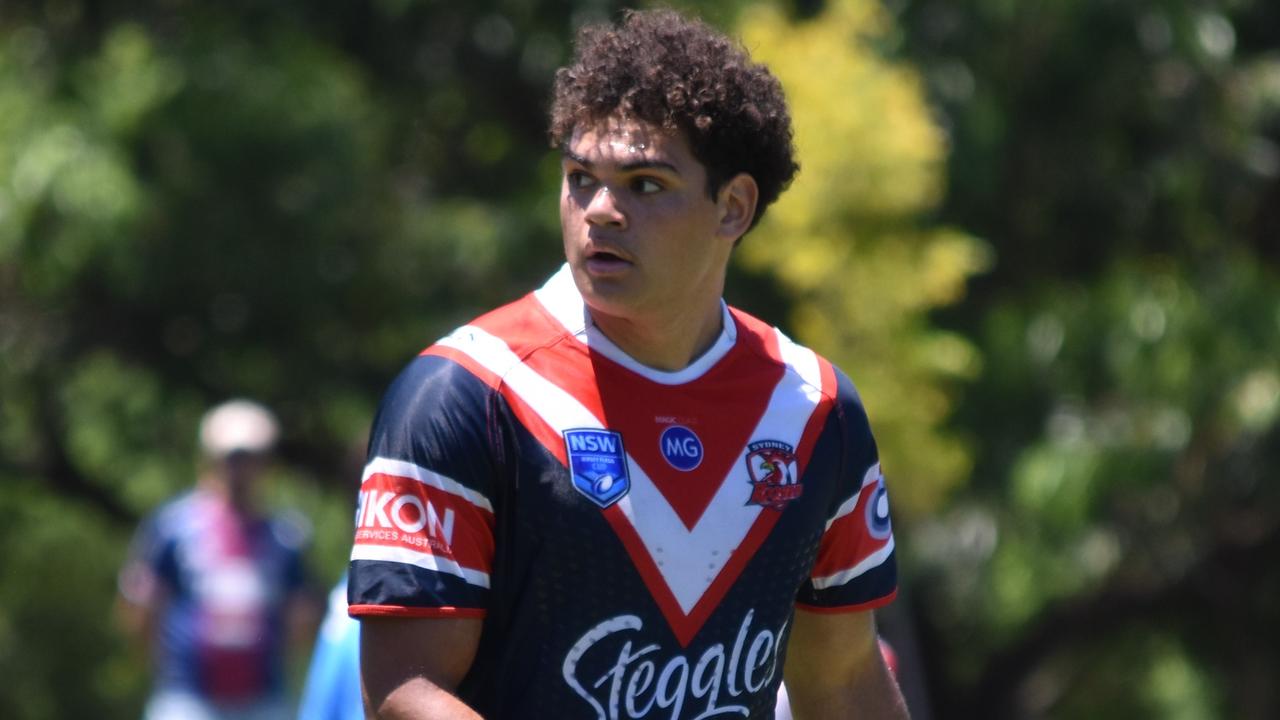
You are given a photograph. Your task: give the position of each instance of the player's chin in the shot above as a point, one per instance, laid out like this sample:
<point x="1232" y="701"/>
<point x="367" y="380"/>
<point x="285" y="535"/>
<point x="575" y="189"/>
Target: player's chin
<point x="613" y="297"/>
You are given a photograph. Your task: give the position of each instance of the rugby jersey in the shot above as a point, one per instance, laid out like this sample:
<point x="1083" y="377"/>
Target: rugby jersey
<point x="636" y="541"/>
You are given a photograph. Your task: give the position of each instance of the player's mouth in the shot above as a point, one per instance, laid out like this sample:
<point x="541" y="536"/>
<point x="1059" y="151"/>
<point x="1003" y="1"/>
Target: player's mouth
<point x="605" y="262"/>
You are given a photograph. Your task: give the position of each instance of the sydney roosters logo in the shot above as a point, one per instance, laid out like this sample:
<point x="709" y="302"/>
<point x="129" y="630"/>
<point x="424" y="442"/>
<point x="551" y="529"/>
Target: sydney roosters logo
<point x="771" y="466"/>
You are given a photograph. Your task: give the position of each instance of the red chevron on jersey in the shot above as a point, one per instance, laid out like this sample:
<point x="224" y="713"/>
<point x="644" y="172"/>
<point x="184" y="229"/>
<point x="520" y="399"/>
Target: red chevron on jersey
<point x="686" y="521"/>
<point x="632" y="404"/>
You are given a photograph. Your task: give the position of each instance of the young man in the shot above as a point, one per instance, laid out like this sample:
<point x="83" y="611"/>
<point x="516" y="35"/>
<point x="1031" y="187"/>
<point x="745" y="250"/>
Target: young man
<point x="618" y="497"/>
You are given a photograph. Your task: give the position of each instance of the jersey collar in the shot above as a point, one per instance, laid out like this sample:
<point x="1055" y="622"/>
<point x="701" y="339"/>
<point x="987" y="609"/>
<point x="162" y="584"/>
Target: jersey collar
<point x="562" y="300"/>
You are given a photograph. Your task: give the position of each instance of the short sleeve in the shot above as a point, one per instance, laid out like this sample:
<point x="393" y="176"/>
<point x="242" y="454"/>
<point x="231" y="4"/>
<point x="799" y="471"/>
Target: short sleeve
<point x="855" y="567"/>
<point x="424" y="540"/>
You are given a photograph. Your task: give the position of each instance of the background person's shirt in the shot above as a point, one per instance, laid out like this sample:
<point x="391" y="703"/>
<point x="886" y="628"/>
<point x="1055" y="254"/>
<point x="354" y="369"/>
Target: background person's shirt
<point x="226" y="580"/>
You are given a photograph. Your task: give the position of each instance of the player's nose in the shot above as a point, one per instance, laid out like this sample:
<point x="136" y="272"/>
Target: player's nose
<point x="604" y="210"/>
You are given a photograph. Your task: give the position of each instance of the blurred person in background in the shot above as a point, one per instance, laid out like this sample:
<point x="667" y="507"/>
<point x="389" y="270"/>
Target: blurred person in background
<point x="214" y="587"/>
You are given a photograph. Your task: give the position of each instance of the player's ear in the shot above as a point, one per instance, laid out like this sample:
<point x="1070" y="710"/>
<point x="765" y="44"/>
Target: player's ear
<point x="737" y="202"/>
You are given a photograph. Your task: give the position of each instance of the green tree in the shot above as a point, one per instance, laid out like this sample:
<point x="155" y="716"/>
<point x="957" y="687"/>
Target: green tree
<point x="282" y="201"/>
<point x="850" y="245"/>
<point x="1121" y="159"/>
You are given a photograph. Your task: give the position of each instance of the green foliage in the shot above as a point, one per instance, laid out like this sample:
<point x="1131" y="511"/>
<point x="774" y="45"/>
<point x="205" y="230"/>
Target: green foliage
<point x="1152" y="379"/>
<point x="198" y="203"/>
<point x="1121" y="159"/>
<point x="1142" y="674"/>
<point x="56" y="588"/>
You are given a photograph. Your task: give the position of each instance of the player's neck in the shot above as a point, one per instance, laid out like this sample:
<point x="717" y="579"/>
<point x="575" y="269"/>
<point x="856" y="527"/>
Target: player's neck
<point x="664" y="341"/>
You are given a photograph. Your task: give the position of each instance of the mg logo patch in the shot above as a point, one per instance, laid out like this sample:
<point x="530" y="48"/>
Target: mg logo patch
<point x="681" y="448"/>
<point x="598" y="464"/>
<point x="771" y="466"/>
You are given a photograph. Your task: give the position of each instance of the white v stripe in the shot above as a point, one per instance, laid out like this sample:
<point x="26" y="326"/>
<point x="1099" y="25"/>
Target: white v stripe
<point x="552" y="403"/>
<point x="873" y="560"/>
<point x="689" y="560"/>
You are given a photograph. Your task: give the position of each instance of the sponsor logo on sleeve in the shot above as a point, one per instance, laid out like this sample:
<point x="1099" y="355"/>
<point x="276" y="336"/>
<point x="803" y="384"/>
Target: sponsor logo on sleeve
<point x="598" y="464"/>
<point x="400" y="512"/>
<point x="771" y="468"/>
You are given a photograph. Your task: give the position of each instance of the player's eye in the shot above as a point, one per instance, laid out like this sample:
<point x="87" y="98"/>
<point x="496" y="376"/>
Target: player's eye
<point x="578" y="179"/>
<point x="646" y="186"/>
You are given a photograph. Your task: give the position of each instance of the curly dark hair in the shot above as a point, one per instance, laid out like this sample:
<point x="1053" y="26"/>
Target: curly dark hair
<point x="680" y="74"/>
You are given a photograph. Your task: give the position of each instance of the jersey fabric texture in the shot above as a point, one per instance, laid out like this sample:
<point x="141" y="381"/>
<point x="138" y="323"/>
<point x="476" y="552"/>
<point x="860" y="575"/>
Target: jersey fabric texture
<point x="636" y="541"/>
<point x="225" y="578"/>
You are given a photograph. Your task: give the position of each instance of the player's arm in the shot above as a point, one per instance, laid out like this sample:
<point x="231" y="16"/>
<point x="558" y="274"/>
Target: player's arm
<point x="423" y="551"/>
<point x="835" y="669"/>
<point x="410" y="667"/>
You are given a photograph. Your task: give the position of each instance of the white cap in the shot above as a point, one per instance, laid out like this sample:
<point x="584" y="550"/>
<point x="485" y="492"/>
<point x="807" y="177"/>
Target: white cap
<point x="237" y="425"/>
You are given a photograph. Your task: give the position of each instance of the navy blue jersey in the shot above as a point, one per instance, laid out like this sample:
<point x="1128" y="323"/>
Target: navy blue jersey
<point x="224" y="579"/>
<point x="636" y="541"/>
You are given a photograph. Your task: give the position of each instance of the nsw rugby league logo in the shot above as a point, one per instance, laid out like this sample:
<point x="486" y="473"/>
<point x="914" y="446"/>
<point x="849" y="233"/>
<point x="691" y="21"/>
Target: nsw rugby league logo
<point x="598" y="464"/>
<point x="771" y="466"/>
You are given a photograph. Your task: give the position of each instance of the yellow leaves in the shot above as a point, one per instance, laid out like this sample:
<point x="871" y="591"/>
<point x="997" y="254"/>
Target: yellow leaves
<point x="949" y="257"/>
<point x="848" y="243"/>
<point x="863" y="131"/>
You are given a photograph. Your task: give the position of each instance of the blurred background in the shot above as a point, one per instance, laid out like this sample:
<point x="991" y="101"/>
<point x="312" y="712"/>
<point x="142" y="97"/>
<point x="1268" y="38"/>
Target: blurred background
<point x="1042" y="237"/>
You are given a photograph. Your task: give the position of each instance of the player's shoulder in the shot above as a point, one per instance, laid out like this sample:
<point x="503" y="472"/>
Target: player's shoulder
<point x="451" y="387"/>
<point x="486" y="347"/>
<point x="500" y="340"/>
<point x="523" y="324"/>
<point x="808" y="365"/>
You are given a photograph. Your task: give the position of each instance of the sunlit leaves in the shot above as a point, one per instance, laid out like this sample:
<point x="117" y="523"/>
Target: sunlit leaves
<point x="123" y="432"/>
<point x="846" y="240"/>
<point x="128" y="79"/>
<point x="1159" y="391"/>
<point x="67" y="194"/>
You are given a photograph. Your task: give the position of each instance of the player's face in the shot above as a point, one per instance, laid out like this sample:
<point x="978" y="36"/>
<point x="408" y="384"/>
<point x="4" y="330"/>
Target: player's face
<point x="642" y="236"/>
